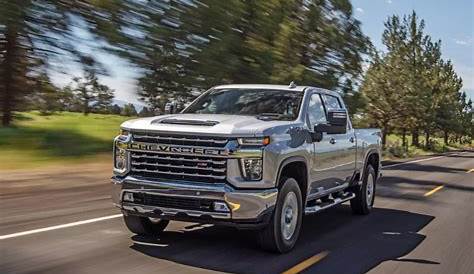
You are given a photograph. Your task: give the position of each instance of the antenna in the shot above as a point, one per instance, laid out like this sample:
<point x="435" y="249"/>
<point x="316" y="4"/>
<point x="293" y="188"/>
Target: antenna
<point x="292" y="84"/>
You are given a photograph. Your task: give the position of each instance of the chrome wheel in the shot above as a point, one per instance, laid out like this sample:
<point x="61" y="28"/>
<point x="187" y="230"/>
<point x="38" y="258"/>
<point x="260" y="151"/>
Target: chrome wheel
<point x="370" y="190"/>
<point x="289" y="215"/>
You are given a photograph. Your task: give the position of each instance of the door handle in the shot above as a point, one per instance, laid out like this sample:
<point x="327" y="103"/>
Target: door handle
<point x="332" y="141"/>
<point x="351" y="140"/>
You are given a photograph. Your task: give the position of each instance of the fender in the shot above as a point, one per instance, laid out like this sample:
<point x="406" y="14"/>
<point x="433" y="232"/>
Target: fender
<point x="366" y="159"/>
<point x="290" y="160"/>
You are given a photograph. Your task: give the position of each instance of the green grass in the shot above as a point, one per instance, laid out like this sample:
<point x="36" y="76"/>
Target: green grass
<point x="36" y="140"/>
<point x="394" y="148"/>
<point x="68" y="137"/>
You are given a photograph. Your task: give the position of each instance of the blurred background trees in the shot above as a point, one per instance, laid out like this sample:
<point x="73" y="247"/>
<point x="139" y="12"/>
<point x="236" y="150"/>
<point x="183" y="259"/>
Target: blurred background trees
<point x="182" y="47"/>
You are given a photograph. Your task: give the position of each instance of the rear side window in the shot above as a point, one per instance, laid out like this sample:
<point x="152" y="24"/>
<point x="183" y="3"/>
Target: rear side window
<point x="331" y="102"/>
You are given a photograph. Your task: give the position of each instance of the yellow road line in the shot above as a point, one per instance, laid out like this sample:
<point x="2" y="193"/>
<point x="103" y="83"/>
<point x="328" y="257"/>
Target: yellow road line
<point x="470" y="170"/>
<point x="306" y="263"/>
<point x="433" y="191"/>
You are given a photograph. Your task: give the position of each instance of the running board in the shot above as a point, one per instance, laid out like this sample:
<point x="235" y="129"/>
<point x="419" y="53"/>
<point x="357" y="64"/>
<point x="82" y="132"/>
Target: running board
<point x="326" y="205"/>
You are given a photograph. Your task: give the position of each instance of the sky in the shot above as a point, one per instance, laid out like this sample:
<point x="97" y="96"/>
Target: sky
<point x="451" y="21"/>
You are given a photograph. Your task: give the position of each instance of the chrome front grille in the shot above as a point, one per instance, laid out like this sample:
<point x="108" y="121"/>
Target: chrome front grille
<point x="178" y="166"/>
<point x="200" y="141"/>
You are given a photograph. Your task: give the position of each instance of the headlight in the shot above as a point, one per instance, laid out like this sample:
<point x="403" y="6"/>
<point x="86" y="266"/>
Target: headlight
<point x="120" y="158"/>
<point x="252" y="168"/>
<point x="254" y="141"/>
<point x="124" y="132"/>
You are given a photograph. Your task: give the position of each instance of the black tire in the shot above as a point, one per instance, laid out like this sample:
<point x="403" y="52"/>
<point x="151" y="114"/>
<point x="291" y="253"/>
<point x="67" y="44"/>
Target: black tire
<point x="360" y="204"/>
<point x="271" y="237"/>
<point x="144" y="226"/>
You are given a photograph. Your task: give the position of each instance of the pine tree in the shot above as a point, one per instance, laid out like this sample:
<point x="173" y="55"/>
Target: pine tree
<point x="383" y="90"/>
<point x="145" y="112"/>
<point x="85" y="91"/>
<point x="129" y="110"/>
<point x="47" y="97"/>
<point x="115" y="109"/>
<point x="33" y="36"/>
<point x="103" y="99"/>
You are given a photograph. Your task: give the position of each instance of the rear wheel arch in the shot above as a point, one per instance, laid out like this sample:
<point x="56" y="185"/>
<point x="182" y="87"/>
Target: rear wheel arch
<point x="372" y="158"/>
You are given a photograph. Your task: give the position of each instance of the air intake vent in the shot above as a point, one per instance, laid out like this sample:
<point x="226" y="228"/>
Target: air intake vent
<point x="189" y="122"/>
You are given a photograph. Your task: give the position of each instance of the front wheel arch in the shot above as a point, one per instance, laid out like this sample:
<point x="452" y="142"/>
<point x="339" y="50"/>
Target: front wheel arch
<point x="295" y="167"/>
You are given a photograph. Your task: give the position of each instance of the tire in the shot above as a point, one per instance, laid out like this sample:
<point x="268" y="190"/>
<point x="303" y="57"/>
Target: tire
<point x="144" y="225"/>
<point x="282" y="232"/>
<point x="365" y="193"/>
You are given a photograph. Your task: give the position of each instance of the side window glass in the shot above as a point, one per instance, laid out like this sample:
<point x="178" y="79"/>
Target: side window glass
<point x="331" y="102"/>
<point x="316" y="110"/>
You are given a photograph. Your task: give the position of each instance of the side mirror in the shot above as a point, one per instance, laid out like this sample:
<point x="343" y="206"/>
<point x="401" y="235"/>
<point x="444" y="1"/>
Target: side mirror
<point x="337" y="124"/>
<point x="337" y="117"/>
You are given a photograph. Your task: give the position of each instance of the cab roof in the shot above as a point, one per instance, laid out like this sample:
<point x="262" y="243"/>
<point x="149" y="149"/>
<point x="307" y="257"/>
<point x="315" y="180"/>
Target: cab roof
<point x="276" y="87"/>
<point x="254" y="86"/>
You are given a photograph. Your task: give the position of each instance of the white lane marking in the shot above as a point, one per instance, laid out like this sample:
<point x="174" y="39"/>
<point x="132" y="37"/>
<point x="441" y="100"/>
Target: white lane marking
<point x="149" y="244"/>
<point x="28" y="232"/>
<point x="417" y="161"/>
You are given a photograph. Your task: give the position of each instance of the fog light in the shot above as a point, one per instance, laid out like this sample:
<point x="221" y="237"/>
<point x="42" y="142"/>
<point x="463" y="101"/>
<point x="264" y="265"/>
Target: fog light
<point x="128" y="197"/>
<point x="221" y="207"/>
<point x="120" y="163"/>
<point x="252" y="168"/>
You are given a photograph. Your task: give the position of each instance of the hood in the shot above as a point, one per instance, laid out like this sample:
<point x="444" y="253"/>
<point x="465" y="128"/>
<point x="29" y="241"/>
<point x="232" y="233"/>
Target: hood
<point x="204" y="124"/>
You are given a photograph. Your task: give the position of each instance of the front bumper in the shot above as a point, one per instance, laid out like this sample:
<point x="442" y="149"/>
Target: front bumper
<point x="247" y="208"/>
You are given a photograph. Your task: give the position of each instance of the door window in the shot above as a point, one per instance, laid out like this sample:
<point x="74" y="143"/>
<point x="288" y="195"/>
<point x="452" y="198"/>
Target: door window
<point x="316" y="112"/>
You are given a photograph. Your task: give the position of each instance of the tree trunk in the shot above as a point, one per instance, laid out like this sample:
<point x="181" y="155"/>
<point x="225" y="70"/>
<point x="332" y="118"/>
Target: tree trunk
<point x="427" y="141"/>
<point x="415" y="141"/>
<point x="404" y="138"/>
<point x="85" y="107"/>
<point x="446" y="137"/>
<point x="8" y="71"/>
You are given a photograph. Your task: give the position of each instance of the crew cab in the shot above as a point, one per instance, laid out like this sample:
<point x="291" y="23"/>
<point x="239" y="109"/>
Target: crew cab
<point x="251" y="156"/>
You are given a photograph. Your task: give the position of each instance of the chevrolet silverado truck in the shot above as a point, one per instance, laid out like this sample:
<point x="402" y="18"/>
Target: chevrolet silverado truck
<point x="251" y="156"/>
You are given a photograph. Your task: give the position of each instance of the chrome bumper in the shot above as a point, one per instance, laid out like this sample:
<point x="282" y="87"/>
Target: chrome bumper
<point x="244" y="205"/>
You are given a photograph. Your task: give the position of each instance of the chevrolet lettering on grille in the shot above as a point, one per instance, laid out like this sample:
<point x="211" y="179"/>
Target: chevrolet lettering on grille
<point x="177" y="149"/>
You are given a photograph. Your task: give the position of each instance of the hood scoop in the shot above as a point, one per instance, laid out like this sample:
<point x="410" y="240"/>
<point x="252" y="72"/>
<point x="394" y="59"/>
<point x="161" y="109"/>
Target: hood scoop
<point x="187" y="122"/>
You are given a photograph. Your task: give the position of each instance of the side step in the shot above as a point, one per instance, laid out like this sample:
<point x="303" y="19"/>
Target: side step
<point x="332" y="202"/>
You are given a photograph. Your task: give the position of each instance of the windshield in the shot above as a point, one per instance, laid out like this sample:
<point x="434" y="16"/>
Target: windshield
<point x="268" y="103"/>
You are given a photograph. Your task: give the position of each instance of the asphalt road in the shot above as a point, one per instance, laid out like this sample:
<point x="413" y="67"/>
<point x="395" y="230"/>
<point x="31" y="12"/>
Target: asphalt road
<point x="423" y="222"/>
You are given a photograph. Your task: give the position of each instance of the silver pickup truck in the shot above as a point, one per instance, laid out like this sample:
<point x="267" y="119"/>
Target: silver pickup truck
<point x="250" y="156"/>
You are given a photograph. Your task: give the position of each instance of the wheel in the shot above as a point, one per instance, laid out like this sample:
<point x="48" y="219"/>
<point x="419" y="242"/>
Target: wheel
<point x="144" y="225"/>
<point x="365" y="194"/>
<point x="282" y="232"/>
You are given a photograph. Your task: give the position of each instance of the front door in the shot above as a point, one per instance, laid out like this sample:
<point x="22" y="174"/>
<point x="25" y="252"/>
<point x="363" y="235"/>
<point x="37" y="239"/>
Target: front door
<point x="343" y="145"/>
<point x="324" y="175"/>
